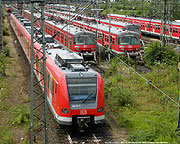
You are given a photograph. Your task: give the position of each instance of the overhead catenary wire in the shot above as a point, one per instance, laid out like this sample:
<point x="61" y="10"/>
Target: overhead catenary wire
<point x="79" y="12"/>
<point x="119" y="58"/>
<point x="147" y="80"/>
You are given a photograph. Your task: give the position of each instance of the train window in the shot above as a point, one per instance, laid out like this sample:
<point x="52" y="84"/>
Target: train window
<point x="107" y="39"/>
<point x="55" y="88"/>
<point x="48" y="78"/>
<point x="176" y="30"/>
<point x="151" y="26"/>
<point x="148" y="25"/>
<point x="82" y="89"/>
<point x="52" y="88"/>
<point x="85" y="39"/>
<point x="112" y="40"/>
<point x="128" y="40"/>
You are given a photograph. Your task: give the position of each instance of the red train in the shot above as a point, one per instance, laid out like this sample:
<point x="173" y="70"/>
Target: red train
<point x="114" y="23"/>
<point x="151" y="26"/>
<point x="73" y="38"/>
<point x="121" y="41"/>
<point x="75" y="92"/>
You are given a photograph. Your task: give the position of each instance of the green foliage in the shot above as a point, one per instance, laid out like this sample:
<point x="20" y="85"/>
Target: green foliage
<point x="155" y="54"/>
<point x="21" y="115"/>
<point x="5" y="136"/>
<point x="119" y="96"/>
<point x="115" y="63"/>
<point x="5" y="30"/>
<point x="156" y="126"/>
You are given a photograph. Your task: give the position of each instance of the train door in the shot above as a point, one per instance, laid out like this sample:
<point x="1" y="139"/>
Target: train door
<point x="53" y="92"/>
<point x="103" y="39"/>
<point x="146" y="27"/>
<point x="50" y="89"/>
<point x="154" y="28"/>
<point x="48" y="84"/>
<point x="69" y="41"/>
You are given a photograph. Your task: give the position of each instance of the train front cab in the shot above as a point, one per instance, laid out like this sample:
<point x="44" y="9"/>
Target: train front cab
<point x="80" y="99"/>
<point x="128" y="44"/>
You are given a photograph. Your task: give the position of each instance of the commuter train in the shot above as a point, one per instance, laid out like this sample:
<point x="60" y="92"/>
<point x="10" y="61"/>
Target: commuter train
<point x="122" y="42"/>
<point x="114" y="23"/>
<point x="73" y="38"/>
<point x="74" y="91"/>
<point x="151" y="26"/>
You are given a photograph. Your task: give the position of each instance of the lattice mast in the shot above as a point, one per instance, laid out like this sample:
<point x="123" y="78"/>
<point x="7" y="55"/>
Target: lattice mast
<point x="38" y="122"/>
<point x="166" y="19"/>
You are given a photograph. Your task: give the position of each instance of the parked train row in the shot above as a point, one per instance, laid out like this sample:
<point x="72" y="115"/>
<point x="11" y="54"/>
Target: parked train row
<point x="114" y="23"/>
<point x="151" y="26"/>
<point x="74" y="91"/>
<point x="121" y="41"/>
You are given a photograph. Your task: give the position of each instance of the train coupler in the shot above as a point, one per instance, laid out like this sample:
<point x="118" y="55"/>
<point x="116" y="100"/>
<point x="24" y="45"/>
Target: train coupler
<point x="82" y="121"/>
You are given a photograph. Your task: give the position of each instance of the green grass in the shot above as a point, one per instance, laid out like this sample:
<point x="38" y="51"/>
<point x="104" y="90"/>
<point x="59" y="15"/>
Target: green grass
<point x="146" y="113"/>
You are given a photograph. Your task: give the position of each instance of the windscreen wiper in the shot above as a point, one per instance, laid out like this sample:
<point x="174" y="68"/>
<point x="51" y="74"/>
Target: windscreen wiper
<point x="88" y="96"/>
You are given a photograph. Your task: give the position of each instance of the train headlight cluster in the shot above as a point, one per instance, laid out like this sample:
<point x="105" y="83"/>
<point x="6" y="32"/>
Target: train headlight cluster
<point x="92" y="49"/>
<point x="137" y="48"/>
<point x="100" y="109"/>
<point x="64" y="110"/>
<point x="77" y="49"/>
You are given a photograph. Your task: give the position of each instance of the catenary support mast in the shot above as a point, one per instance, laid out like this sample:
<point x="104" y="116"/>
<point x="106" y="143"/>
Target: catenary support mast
<point x="38" y="100"/>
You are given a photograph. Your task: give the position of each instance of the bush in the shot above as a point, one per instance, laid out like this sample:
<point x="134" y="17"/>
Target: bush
<point x="155" y="53"/>
<point x="120" y="97"/>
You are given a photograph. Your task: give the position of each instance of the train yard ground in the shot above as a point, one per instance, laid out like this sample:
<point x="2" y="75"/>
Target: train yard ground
<point x="14" y="95"/>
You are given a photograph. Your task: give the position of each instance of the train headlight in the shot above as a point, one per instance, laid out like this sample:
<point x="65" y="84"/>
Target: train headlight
<point x="100" y="109"/>
<point x="64" y="110"/>
<point x="92" y="49"/>
<point x="77" y="49"/>
<point x="122" y="49"/>
<point x="137" y="48"/>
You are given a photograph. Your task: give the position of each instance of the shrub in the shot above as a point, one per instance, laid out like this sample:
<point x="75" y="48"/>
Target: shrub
<point x="155" y="53"/>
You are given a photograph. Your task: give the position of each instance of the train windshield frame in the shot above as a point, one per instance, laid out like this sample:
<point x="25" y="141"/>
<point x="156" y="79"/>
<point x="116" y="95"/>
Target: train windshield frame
<point x="82" y="90"/>
<point x="84" y="40"/>
<point x="128" y="40"/>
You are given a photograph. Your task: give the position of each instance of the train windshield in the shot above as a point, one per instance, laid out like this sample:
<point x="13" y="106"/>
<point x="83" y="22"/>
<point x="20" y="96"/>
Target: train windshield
<point x="82" y="90"/>
<point x="84" y="40"/>
<point x="128" y="40"/>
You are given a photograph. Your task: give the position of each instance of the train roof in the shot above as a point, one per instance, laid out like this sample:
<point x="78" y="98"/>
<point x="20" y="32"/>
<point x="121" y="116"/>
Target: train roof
<point x="103" y="27"/>
<point x="144" y="19"/>
<point x="69" y="28"/>
<point x="102" y="20"/>
<point x="74" y="61"/>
